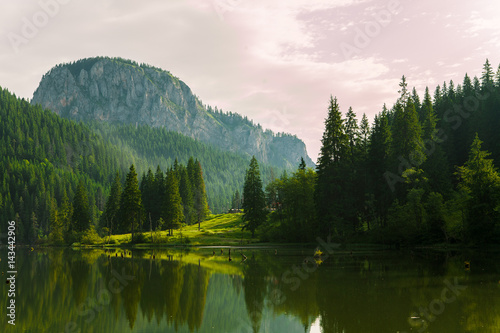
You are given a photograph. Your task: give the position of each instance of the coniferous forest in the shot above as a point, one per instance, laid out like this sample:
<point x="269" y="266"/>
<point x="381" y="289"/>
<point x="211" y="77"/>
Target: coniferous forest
<point x="51" y="166"/>
<point x="423" y="172"/>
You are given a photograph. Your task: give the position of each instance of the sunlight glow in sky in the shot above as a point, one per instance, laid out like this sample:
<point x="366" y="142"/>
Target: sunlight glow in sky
<point x="274" y="61"/>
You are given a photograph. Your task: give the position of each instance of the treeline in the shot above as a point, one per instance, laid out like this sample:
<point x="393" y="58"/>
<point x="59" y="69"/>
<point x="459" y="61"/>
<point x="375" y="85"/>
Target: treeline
<point x="42" y="160"/>
<point x="421" y="173"/>
<point x="161" y="202"/>
<point x="224" y="171"/>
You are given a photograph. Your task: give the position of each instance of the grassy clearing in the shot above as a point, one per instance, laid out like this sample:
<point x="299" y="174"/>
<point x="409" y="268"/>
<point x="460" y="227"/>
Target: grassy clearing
<point x="223" y="229"/>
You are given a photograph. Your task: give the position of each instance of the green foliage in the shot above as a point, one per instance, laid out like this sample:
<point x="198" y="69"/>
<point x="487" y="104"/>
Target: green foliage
<point x="480" y="180"/>
<point x="130" y="204"/>
<point x="254" y="200"/>
<point x="81" y="210"/>
<point x="172" y="209"/>
<point x="331" y="167"/>
<point x="291" y="200"/>
<point x="395" y="184"/>
<point x="90" y="237"/>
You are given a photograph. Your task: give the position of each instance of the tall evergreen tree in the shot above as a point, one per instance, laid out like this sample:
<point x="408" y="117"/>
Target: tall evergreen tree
<point x="131" y="203"/>
<point x="379" y="155"/>
<point x="436" y="164"/>
<point x="81" y="210"/>
<point x="254" y="202"/>
<point x="407" y="145"/>
<point x="185" y="190"/>
<point x="352" y="132"/>
<point x="199" y="194"/>
<point x="487" y="76"/>
<point x="236" y="203"/>
<point x="56" y="227"/>
<point x="159" y="197"/>
<point x="330" y="170"/>
<point x="364" y="134"/>
<point x="147" y="188"/>
<point x="109" y="218"/>
<point x="172" y="209"/>
<point x="479" y="178"/>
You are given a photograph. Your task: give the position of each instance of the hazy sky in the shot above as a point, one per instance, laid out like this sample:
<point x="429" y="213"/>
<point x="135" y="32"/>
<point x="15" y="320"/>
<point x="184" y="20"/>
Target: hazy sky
<point x="276" y="61"/>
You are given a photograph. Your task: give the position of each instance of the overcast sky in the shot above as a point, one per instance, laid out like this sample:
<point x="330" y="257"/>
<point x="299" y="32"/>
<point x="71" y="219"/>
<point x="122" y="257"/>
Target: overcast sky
<point x="276" y="61"/>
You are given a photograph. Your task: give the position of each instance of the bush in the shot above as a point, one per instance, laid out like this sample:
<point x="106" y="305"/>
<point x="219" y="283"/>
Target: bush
<point x="90" y="237"/>
<point x="141" y="238"/>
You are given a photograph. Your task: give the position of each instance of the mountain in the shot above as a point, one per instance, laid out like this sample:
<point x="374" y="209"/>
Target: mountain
<point x="43" y="157"/>
<point x="121" y="91"/>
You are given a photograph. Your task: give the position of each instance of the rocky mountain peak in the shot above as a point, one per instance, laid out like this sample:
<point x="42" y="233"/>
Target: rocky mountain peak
<point x="124" y="92"/>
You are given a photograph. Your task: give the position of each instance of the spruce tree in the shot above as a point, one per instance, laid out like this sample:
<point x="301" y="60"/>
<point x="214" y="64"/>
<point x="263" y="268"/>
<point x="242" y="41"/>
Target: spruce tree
<point x="131" y="202"/>
<point x="172" y="209"/>
<point x="81" y="210"/>
<point x="379" y="154"/>
<point x="479" y="178"/>
<point x="364" y="134"/>
<point x="56" y="228"/>
<point x="352" y="132"/>
<point x="254" y="202"/>
<point x="148" y="186"/>
<point x="109" y="218"/>
<point x="331" y="165"/>
<point x="436" y="164"/>
<point x="159" y="197"/>
<point x="185" y="190"/>
<point x="199" y="194"/>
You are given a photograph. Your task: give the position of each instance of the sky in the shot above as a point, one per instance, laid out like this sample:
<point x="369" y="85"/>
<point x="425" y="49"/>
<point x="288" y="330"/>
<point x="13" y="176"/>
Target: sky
<point x="275" y="61"/>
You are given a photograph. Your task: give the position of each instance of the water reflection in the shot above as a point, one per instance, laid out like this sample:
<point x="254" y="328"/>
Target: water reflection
<point x="101" y="291"/>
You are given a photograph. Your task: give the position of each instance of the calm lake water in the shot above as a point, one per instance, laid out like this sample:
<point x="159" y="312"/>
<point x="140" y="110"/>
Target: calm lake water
<point x="97" y="291"/>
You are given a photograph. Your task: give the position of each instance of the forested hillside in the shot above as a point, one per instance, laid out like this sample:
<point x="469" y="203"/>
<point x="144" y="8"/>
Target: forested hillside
<point x="223" y="171"/>
<point x="45" y="157"/>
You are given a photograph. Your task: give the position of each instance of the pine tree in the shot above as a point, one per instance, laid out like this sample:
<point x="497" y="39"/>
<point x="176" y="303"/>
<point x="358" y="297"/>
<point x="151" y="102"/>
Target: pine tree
<point x="429" y="119"/>
<point x="172" y="209"/>
<point x="254" y="202"/>
<point x="407" y="144"/>
<point x="147" y="188"/>
<point x="56" y="229"/>
<point x="436" y="164"/>
<point x="159" y="197"/>
<point x="236" y="203"/>
<point x="131" y="203"/>
<point x="199" y="194"/>
<point x="185" y="190"/>
<point x="109" y="218"/>
<point x="379" y="154"/>
<point x="487" y="76"/>
<point x="329" y="196"/>
<point x="352" y="132"/>
<point x="81" y="210"/>
<point x="302" y="165"/>
<point x="364" y="134"/>
<point x="479" y="178"/>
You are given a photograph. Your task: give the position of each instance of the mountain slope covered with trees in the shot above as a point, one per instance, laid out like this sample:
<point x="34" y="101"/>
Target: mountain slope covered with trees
<point x="47" y="162"/>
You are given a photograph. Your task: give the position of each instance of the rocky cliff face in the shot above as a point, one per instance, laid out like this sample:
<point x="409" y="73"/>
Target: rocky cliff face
<point x="124" y="92"/>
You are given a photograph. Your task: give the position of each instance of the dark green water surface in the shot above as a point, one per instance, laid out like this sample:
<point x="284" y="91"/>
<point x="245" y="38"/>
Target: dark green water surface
<point x="66" y="290"/>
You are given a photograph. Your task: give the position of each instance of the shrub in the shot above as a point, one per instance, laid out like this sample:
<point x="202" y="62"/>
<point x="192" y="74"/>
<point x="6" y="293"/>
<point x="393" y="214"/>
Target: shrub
<point x="90" y="237"/>
<point x="141" y="238"/>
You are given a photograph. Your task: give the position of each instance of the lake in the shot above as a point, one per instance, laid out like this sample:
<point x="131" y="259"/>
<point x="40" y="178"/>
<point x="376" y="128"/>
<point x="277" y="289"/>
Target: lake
<point x="68" y="290"/>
